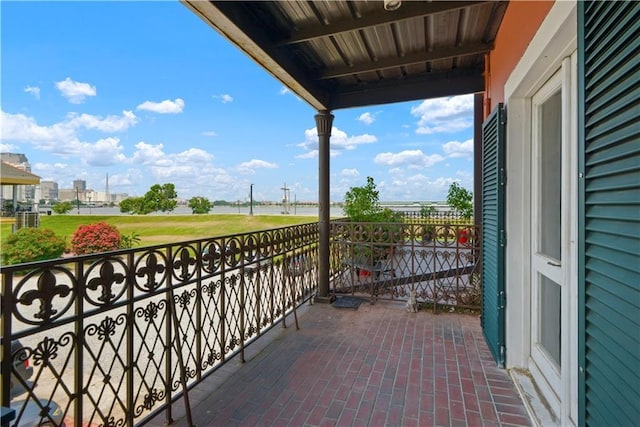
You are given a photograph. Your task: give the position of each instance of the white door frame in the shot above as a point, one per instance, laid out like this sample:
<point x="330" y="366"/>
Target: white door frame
<point x="549" y="375"/>
<point x="554" y="42"/>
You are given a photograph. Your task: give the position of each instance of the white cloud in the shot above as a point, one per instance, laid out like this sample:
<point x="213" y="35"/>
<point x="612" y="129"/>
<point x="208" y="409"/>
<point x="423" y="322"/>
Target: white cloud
<point x="105" y="152"/>
<point x="350" y="173"/>
<point x="209" y="133"/>
<point x="366" y="118"/>
<point x="459" y="149"/>
<point x="340" y="141"/>
<point x="46" y="170"/>
<point x="7" y="148"/>
<point x="450" y="114"/>
<point x="18" y="127"/>
<point x="147" y="154"/>
<point x="34" y="90"/>
<point x="418" y="186"/>
<point x="164" y="107"/>
<point x="62" y="138"/>
<point x="225" y="98"/>
<point x="249" y="168"/>
<point x="408" y="158"/>
<point x="126" y="179"/>
<point x="312" y="154"/>
<point x="107" y="124"/>
<point x="193" y="155"/>
<point x="286" y="91"/>
<point x="75" y="92"/>
<point x="192" y="170"/>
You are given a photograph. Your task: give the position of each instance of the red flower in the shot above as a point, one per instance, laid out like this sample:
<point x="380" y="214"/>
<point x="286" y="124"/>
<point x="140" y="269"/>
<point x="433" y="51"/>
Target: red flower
<point x="98" y="237"/>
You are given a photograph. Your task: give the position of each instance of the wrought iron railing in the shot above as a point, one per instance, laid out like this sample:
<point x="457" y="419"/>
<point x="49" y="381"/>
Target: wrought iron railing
<point x="435" y="263"/>
<point x="440" y="217"/>
<point x="114" y="338"/>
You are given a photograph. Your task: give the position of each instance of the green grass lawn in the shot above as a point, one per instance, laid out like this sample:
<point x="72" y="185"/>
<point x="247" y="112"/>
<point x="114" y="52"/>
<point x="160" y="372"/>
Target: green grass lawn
<point x="161" y="229"/>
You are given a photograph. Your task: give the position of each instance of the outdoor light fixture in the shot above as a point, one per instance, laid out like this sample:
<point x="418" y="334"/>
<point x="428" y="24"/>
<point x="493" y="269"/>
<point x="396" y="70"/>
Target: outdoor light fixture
<point x="391" y="5"/>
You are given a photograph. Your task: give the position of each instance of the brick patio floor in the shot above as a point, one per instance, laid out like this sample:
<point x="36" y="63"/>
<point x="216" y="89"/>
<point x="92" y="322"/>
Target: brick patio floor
<point x="374" y="366"/>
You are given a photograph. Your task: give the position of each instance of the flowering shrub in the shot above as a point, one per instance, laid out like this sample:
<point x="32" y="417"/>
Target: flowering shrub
<point x="31" y="244"/>
<point x="92" y="238"/>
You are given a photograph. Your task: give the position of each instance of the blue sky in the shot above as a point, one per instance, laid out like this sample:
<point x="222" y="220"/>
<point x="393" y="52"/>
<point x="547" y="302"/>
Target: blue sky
<point x="148" y="93"/>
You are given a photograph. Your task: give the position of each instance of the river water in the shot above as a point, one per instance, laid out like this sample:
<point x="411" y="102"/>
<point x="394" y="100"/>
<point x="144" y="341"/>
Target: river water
<point x="184" y="210"/>
<point x="334" y="211"/>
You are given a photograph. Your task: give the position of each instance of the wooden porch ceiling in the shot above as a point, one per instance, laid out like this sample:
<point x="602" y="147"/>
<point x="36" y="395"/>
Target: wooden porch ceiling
<point x="341" y="54"/>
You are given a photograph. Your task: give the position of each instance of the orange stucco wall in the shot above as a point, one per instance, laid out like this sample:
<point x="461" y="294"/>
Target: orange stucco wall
<point x="519" y="25"/>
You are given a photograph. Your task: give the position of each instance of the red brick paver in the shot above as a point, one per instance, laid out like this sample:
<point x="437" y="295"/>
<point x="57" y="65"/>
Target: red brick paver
<point x="374" y="366"/>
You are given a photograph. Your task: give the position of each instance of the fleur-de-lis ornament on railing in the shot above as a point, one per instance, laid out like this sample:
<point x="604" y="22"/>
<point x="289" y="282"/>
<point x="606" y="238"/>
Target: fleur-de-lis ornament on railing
<point x="183" y="263"/>
<point x="210" y="257"/>
<point x="150" y="270"/>
<point x="46" y="291"/>
<point x="107" y="278"/>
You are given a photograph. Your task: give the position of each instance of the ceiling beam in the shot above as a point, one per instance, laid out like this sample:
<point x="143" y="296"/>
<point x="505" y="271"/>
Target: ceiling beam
<point x="416" y="58"/>
<point x="459" y="82"/>
<point x="408" y="10"/>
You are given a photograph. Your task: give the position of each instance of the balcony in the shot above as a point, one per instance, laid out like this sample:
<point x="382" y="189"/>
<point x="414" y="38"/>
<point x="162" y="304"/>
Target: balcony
<point x="134" y="337"/>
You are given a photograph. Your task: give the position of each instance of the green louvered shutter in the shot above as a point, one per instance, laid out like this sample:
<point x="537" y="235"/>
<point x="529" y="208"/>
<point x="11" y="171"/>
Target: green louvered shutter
<point x="493" y="237"/>
<point x="609" y="212"/>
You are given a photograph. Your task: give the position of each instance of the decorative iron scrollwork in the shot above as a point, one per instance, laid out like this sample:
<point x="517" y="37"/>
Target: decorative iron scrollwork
<point x="45" y="351"/>
<point x="189" y="373"/>
<point x="211" y="358"/>
<point x="233" y="343"/>
<point x="149" y="400"/>
<point x="151" y="311"/>
<point x="108" y="277"/>
<point x="183" y="299"/>
<point x="151" y="268"/>
<point x="46" y="290"/>
<point x="182" y="263"/>
<point x="112" y="422"/>
<point x="107" y="328"/>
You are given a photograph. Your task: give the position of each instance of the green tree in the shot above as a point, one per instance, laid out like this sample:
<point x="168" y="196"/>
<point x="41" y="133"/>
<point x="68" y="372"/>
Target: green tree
<point x="62" y="207"/>
<point x="200" y="205"/>
<point x="160" y="198"/>
<point x="362" y="203"/>
<point x="132" y="205"/>
<point x="460" y="200"/>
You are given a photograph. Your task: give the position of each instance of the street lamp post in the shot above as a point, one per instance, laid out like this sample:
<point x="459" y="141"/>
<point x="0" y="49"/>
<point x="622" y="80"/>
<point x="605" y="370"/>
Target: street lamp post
<point x="251" y="200"/>
<point x="89" y="205"/>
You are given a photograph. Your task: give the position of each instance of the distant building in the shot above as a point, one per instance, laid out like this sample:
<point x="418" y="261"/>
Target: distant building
<point x="49" y="190"/>
<point x="80" y="185"/>
<point x="24" y="193"/>
<point x="66" y="194"/>
<point x="117" y="197"/>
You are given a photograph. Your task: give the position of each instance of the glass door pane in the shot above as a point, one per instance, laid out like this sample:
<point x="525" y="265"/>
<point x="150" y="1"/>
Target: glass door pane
<point x="550" y="178"/>
<point x="550" y="315"/>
